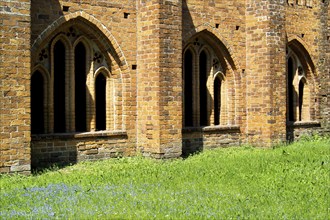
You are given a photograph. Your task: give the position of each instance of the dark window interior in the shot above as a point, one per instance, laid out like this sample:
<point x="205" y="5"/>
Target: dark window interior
<point x="188" y="92"/>
<point x="100" y="90"/>
<point x="80" y="87"/>
<point x="217" y="100"/>
<point x="290" y="90"/>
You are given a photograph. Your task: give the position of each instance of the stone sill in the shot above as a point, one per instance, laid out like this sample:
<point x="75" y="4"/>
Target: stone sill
<point x="215" y="128"/>
<point x="76" y="135"/>
<point x="303" y="124"/>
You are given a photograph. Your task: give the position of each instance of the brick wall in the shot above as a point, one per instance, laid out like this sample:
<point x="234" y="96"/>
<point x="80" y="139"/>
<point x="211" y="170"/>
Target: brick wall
<point x="143" y="42"/>
<point x="265" y="80"/>
<point x="159" y="78"/>
<point x="65" y="149"/>
<point x="15" y="86"/>
<point x="308" y="24"/>
<point x="199" y="139"/>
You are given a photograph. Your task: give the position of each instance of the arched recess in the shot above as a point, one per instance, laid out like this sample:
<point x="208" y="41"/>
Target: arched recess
<point x="93" y="30"/>
<point x="39" y="100"/>
<point x="100" y="102"/>
<point x="105" y="85"/>
<point x="82" y="69"/>
<point x="301" y="83"/>
<point x="60" y="100"/>
<point x="92" y="25"/>
<point x="83" y="29"/>
<point x="218" y="60"/>
<point x="204" y="93"/>
<point x="220" y="99"/>
<point x="221" y="44"/>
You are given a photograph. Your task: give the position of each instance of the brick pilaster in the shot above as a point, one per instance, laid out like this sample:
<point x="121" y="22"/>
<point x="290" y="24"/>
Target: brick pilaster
<point x="15" y="86"/>
<point x="266" y="72"/>
<point x="159" y="79"/>
<point x="324" y="65"/>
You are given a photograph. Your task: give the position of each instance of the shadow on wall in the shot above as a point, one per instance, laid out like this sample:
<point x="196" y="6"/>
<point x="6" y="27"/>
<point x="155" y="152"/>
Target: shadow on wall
<point x="192" y="136"/>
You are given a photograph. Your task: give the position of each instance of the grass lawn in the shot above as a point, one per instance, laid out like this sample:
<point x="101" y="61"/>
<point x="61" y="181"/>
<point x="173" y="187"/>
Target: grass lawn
<point x="289" y="182"/>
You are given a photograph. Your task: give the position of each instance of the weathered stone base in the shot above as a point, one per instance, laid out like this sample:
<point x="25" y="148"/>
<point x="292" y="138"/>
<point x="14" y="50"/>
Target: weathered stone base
<point x="64" y="149"/>
<point x="198" y="139"/>
<point x="298" y="129"/>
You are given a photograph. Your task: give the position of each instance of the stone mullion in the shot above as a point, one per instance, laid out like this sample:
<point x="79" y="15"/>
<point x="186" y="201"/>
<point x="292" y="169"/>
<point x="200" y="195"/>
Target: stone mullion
<point x="90" y="91"/>
<point x="195" y="89"/>
<point x="209" y="89"/>
<point x="46" y="102"/>
<point x="70" y="91"/>
<point x="51" y="92"/>
<point x="111" y="122"/>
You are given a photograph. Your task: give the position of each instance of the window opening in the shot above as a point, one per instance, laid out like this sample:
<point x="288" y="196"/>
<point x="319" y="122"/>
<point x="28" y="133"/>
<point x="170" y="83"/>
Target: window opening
<point x="100" y="93"/>
<point x="301" y="98"/>
<point x="188" y="91"/>
<point x="203" y="88"/>
<point x="59" y="87"/>
<point x="80" y="87"/>
<point x="217" y="100"/>
<point x="37" y="103"/>
<point x="290" y="90"/>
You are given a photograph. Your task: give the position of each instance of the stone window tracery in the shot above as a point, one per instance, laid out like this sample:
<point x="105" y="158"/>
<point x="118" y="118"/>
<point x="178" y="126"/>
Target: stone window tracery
<point x="205" y="88"/>
<point x="79" y="98"/>
<point x="298" y="91"/>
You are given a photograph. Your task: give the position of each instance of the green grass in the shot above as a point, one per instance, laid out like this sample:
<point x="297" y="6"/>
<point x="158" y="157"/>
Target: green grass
<point x="289" y="182"/>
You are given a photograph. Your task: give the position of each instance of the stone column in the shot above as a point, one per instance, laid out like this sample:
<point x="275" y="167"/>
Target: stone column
<point x="266" y="72"/>
<point x="159" y="78"/>
<point x="15" y="86"/>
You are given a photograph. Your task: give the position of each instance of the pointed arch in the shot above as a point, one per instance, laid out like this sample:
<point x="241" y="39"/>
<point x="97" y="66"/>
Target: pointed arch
<point x="93" y="26"/>
<point x="60" y="48"/>
<point x="100" y="101"/>
<point x="219" y="75"/>
<point x="300" y="70"/>
<point x="210" y="57"/>
<point x="80" y="88"/>
<point x="300" y="48"/>
<point x="102" y="70"/>
<point x="98" y="41"/>
<point x="219" y="43"/>
<point x="41" y="96"/>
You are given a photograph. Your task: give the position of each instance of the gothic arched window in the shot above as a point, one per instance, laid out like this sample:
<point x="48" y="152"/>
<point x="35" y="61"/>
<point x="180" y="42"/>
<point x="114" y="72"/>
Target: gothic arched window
<point x="100" y="101"/>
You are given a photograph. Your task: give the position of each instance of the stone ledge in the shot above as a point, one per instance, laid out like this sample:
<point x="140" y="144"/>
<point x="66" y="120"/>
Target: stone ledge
<point x="76" y="135"/>
<point x="303" y="124"/>
<point x="216" y="128"/>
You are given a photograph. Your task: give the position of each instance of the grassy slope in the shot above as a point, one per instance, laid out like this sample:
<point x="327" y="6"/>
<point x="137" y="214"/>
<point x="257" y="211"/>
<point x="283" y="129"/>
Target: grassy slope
<point x="287" y="182"/>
